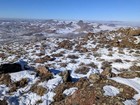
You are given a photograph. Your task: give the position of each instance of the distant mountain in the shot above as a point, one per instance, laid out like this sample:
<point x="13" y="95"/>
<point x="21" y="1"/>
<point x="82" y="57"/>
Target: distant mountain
<point x="19" y="29"/>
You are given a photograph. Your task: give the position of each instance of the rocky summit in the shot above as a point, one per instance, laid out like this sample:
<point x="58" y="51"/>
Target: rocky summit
<point x="51" y="62"/>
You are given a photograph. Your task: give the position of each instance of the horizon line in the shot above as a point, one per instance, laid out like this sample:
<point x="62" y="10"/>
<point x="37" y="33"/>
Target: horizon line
<point x="14" y="18"/>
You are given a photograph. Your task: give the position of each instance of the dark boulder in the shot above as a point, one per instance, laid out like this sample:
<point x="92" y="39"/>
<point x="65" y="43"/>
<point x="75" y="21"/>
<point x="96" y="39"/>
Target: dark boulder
<point x="10" y="68"/>
<point x="3" y="102"/>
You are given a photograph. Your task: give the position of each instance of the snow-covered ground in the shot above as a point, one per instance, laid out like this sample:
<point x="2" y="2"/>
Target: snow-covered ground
<point x="75" y="54"/>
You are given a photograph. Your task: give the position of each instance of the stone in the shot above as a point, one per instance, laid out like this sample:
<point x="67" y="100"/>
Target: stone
<point x="72" y="56"/>
<point x="118" y="61"/>
<point x="135" y="68"/>
<point x="9" y="68"/>
<point x="139" y="102"/>
<point x="63" y="64"/>
<point x="19" y="84"/>
<point x="3" y="102"/>
<point x="66" y="76"/>
<point x="107" y="72"/>
<point x="42" y="69"/>
<point x="82" y="83"/>
<point x="129" y="74"/>
<point x="84" y="96"/>
<point x="39" y="60"/>
<point x="2" y="55"/>
<point x="39" y="90"/>
<point x="93" y="78"/>
<point x="59" y="91"/>
<point x="44" y="59"/>
<point x="5" y="79"/>
<point x="105" y="64"/>
<point x="93" y="65"/>
<point x="82" y="70"/>
<point x="44" y="73"/>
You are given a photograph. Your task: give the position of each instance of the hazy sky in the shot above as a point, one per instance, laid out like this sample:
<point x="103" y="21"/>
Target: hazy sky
<point x="125" y="10"/>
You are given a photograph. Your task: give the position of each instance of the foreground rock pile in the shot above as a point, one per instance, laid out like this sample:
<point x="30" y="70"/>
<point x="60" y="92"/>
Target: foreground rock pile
<point x="97" y="69"/>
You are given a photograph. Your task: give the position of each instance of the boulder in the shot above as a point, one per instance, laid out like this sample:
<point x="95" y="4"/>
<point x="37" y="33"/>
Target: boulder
<point x="129" y="74"/>
<point x="66" y="76"/>
<point x="72" y="56"/>
<point x="105" y="64"/>
<point x="39" y="90"/>
<point x="42" y="69"/>
<point x="9" y="68"/>
<point x="44" y="72"/>
<point x="139" y="102"/>
<point x="107" y="72"/>
<point x="118" y="61"/>
<point x="59" y="91"/>
<point x="135" y="68"/>
<point x="39" y="60"/>
<point x="2" y="55"/>
<point x="84" y="96"/>
<point x="93" y="78"/>
<point x="3" y="102"/>
<point x="5" y="79"/>
<point x="19" y="84"/>
<point x="82" y="70"/>
<point x="44" y="59"/>
<point x="82" y="83"/>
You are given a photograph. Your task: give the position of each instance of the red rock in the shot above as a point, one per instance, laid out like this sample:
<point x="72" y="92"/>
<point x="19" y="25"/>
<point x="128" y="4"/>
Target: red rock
<point x="84" y="96"/>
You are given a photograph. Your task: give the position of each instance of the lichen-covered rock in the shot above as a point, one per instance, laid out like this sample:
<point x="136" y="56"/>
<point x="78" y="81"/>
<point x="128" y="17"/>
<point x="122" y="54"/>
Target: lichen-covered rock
<point x="105" y="64"/>
<point x="39" y="90"/>
<point x="135" y="68"/>
<point x="107" y="72"/>
<point x="93" y="78"/>
<point x="66" y="76"/>
<point x="129" y="74"/>
<point x="59" y="91"/>
<point x="18" y="84"/>
<point x="5" y="79"/>
<point x="85" y="96"/>
<point x="82" y="83"/>
<point x="82" y="70"/>
<point x="3" y="102"/>
<point x="72" y="56"/>
<point x="44" y="73"/>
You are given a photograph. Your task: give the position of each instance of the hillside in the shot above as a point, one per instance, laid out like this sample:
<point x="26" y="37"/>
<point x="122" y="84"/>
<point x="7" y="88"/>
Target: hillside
<point x="53" y="62"/>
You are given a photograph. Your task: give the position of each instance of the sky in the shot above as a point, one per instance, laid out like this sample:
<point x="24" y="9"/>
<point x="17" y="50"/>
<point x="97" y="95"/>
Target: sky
<point x="105" y="10"/>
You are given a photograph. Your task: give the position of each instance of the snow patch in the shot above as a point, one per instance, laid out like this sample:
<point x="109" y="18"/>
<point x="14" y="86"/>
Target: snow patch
<point x="3" y="90"/>
<point x="70" y="91"/>
<point x="130" y="102"/>
<point x="110" y="90"/>
<point x="134" y="83"/>
<point x="22" y="74"/>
